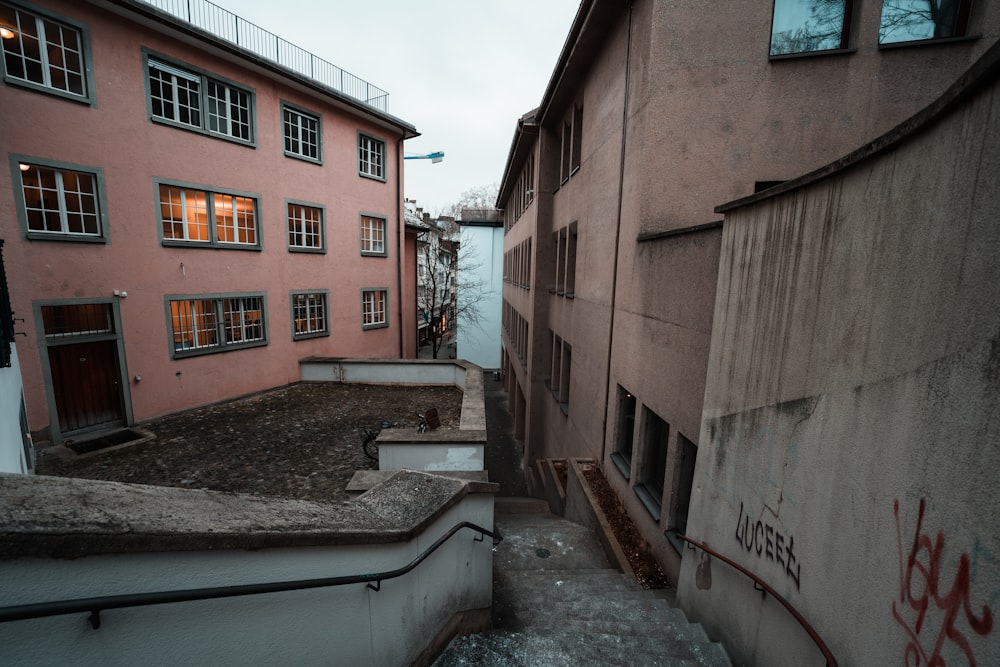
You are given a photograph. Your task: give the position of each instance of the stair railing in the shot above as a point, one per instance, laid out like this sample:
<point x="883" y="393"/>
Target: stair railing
<point x="96" y="605"/>
<point x="762" y="585"/>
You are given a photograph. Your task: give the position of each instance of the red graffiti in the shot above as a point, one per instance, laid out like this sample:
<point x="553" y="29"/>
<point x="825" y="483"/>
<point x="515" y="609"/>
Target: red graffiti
<point x="920" y="587"/>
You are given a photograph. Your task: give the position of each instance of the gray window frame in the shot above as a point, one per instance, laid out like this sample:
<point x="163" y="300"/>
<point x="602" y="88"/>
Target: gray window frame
<point x="321" y="250"/>
<point x="385" y="156"/>
<point x="222" y="346"/>
<point x="379" y="325"/>
<point x="624" y="448"/>
<point x="302" y="111"/>
<point x="21" y="205"/>
<point x="205" y="77"/>
<point x="89" y="96"/>
<point x="213" y="236"/>
<point x="325" y="333"/>
<point x="385" y="235"/>
<point x="649" y="456"/>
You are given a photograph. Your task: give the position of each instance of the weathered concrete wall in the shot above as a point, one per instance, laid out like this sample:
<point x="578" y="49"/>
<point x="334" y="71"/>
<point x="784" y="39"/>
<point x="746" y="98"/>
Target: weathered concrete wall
<point x="68" y="539"/>
<point x="851" y="431"/>
<point x="11" y="394"/>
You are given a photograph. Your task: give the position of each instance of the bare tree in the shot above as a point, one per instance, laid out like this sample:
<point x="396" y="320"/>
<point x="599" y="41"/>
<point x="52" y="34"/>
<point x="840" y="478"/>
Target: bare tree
<point x="449" y="286"/>
<point x="905" y="20"/>
<point x="483" y="197"/>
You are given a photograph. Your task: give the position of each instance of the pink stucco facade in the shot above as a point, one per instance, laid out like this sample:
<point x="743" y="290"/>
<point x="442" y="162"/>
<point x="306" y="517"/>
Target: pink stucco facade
<point x="668" y="109"/>
<point x="116" y="136"/>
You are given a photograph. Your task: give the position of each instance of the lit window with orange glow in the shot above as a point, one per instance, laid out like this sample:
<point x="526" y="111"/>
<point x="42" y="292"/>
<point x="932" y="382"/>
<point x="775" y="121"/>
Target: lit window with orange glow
<point x="190" y="216"/>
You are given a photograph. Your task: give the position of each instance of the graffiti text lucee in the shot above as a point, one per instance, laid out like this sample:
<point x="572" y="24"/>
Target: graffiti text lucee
<point x="768" y="543"/>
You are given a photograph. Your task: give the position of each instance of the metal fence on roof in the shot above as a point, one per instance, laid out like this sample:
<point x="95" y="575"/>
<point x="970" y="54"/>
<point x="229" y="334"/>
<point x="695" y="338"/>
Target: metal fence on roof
<point x="225" y="25"/>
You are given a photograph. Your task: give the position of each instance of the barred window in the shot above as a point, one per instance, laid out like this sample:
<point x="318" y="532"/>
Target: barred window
<point x="309" y="315"/>
<point x="212" y="324"/>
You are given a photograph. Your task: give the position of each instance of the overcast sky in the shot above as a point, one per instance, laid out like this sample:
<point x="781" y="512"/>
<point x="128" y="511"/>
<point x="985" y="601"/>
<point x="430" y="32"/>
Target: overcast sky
<point x="461" y="71"/>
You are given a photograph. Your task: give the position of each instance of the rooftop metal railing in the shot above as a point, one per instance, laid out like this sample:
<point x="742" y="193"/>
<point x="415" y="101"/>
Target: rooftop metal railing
<point x="225" y="25"/>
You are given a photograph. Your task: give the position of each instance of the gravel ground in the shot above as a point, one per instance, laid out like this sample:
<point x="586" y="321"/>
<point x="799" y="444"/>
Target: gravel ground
<point x="300" y="441"/>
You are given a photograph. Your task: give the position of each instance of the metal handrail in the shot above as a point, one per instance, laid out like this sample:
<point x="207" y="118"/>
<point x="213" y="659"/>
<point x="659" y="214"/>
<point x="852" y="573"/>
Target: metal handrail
<point x="96" y="605"/>
<point x="763" y="585"/>
<point x="225" y="25"/>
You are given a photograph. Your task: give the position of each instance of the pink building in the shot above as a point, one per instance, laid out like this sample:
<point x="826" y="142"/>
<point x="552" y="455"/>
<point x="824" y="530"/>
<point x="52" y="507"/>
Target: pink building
<point x="186" y="218"/>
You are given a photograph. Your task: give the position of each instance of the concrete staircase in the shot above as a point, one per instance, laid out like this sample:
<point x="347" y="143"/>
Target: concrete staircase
<point x="557" y="601"/>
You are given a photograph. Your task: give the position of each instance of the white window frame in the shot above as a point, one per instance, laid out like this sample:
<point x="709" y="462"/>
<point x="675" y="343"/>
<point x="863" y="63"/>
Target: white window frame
<point x="225" y="322"/>
<point x="373" y="317"/>
<point x="61" y="198"/>
<point x="218" y="101"/>
<point x="43" y="24"/>
<point x="309" y="308"/>
<point x="217" y="203"/>
<point x="296" y="226"/>
<point x="371" y="157"/>
<point x="373" y="230"/>
<point x="297" y="126"/>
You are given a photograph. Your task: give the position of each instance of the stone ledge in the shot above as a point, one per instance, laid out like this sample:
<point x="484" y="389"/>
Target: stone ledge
<point x="477" y="480"/>
<point x="54" y="517"/>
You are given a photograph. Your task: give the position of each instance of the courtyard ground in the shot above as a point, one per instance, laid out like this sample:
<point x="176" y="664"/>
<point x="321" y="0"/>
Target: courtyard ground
<point x="299" y="441"/>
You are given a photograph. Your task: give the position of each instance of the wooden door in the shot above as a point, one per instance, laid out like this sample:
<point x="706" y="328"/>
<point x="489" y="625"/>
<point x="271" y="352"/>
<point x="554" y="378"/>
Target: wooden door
<point x="86" y="385"/>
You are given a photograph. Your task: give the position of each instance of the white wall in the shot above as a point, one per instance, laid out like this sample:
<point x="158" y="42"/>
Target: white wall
<point x="11" y="392"/>
<point x="480" y="343"/>
<point x="345" y="625"/>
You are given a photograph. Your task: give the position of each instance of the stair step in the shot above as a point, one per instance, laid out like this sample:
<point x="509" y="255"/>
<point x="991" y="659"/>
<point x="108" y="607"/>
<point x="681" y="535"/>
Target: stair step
<point x="571" y="650"/>
<point x="520" y="505"/>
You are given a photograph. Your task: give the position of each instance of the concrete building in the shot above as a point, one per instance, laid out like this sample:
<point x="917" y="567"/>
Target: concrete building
<point x="480" y="278"/>
<point x="188" y="212"/>
<point x="851" y="432"/>
<point x="656" y="113"/>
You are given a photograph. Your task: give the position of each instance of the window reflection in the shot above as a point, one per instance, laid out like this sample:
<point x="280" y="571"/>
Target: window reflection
<point x="801" y="26"/>
<point x="912" y="20"/>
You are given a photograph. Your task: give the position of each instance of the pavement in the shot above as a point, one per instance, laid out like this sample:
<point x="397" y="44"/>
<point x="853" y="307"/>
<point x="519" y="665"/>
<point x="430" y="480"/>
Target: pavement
<point x="504" y="453"/>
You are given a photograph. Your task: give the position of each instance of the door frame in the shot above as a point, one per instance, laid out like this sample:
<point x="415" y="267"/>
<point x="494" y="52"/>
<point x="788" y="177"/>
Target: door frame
<point x="55" y="433"/>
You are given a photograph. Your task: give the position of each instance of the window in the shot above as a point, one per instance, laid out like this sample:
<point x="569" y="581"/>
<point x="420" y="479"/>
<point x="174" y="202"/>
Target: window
<point x="302" y="133"/>
<point x="918" y="20"/>
<point x="374" y="313"/>
<point x="373" y="235"/>
<point x="190" y="99"/>
<point x="190" y="216"/>
<point x="58" y="201"/>
<point x="804" y="26"/>
<point x="566" y="147"/>
<point x="305" y="228"/>
<point x="45" y="54"/>
<point x="653" y="470"/>
<point x="688" y="455"/>
<point x="624" y="432"/>
<point x="577" y="138"/>
<point x="202" y="325"/>
<point x="371" y="156"/>
<point x="309" y="314"/>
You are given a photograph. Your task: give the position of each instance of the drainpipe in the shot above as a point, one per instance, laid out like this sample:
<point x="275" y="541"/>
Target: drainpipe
<point x="399" y="240"/>
<point x="618" y="233"/>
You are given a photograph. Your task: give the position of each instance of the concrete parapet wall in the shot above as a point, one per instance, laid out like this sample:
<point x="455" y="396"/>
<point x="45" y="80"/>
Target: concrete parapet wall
<point x="69" y="539"/>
